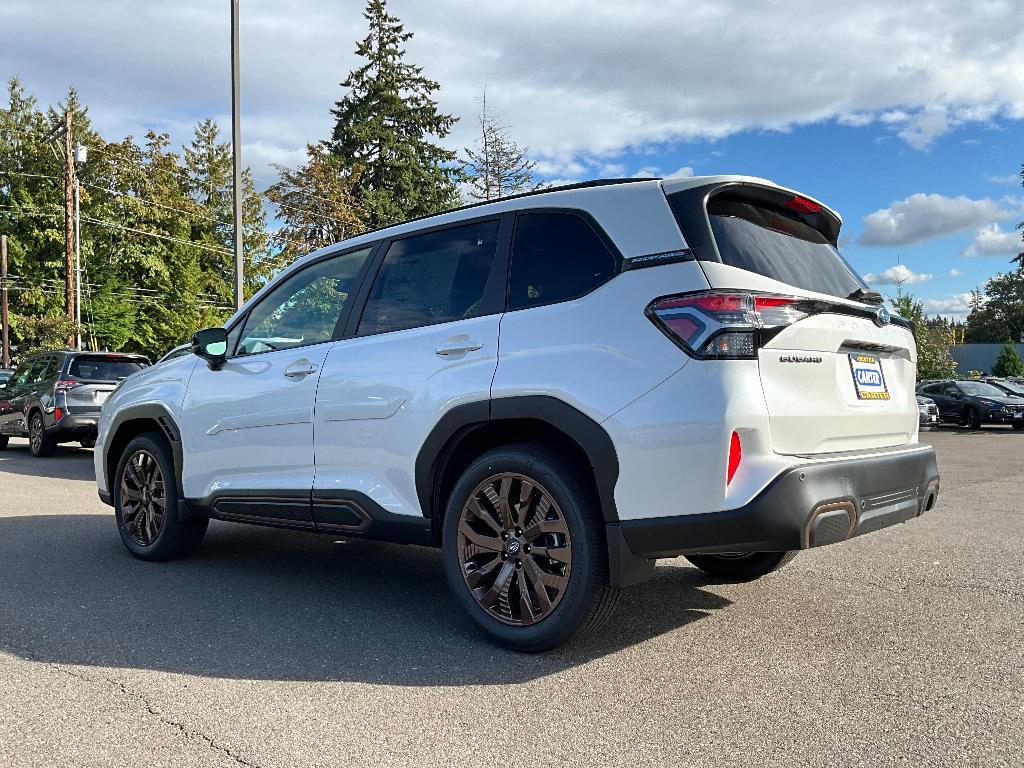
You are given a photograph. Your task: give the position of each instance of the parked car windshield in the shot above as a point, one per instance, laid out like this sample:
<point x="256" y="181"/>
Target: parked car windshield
<point x="100" y="368"/>
<point x="1009" y="386"/>
<point x="981" y="389"/>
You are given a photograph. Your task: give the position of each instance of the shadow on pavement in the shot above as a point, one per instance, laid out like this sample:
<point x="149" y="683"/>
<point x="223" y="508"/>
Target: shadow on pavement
<point x="70" y="462"/>
<point x="265" y="604"/>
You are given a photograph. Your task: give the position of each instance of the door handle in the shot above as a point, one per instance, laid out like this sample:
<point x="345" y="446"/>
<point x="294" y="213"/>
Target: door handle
<point x="458" y="347"/>
<point x="296" y="373"/>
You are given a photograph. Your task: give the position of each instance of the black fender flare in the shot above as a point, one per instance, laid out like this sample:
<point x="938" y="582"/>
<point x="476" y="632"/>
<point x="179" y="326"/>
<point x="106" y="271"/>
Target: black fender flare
<point x="159" y="413"/>
<point x="456" y="423"/>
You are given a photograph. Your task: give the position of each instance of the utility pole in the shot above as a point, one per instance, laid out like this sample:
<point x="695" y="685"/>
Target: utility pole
<point x="236" y="152"/>
<point x="5" y="355"/>
<point x="78" y="271"/>
<point x="69" y="220"/>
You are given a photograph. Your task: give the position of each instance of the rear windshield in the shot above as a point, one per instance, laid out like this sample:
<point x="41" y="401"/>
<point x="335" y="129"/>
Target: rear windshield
<point x="778" y="245"/>
<point x="90" y="368"/>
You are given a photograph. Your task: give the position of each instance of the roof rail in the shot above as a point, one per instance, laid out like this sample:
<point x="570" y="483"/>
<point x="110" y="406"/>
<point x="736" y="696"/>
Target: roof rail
<point x="544" y="191"/>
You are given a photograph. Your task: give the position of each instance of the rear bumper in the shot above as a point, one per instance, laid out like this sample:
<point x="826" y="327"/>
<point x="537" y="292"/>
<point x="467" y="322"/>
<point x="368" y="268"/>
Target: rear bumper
<point x="806" y="506"/>
<point x="74" y="427"/>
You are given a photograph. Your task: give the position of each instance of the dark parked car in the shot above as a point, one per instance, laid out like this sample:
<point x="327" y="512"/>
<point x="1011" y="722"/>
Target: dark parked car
<point x="927" y="411"/>
<point x="1009" y="386"/>
<point x="55" y="397"/>
<point x="975" y="403"/>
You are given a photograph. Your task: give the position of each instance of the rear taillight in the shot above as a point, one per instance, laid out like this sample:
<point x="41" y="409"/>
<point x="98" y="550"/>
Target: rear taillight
<point x="64" y="385"/>
<point x="725" y="325"/>
<point x="58" y="414"/>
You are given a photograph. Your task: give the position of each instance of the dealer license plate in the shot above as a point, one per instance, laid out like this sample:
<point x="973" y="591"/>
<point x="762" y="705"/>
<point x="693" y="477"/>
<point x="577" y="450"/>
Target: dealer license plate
<point x="868" y="379"/>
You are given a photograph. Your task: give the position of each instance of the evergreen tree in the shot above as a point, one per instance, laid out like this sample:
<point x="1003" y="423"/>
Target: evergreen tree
<point x="315" y="203"/>
<point x="385" y="129"/>
<point x="1008" y="363"/>
<point x="497" y="166"/>
<point x="1001" y="315"/>
<point x="933" y="339"/>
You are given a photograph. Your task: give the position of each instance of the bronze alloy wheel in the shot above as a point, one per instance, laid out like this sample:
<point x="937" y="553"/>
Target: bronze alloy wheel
<point x="514" y="549"/>
<point x="143" y="501"/>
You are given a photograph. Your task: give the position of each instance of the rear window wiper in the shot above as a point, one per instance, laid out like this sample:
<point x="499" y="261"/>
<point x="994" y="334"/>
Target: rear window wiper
<point x="866" y="296"/>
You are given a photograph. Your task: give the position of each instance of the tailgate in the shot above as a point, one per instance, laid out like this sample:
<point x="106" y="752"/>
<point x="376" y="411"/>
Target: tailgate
<point x="833" y="383"/>
<point x="88" y="398"/>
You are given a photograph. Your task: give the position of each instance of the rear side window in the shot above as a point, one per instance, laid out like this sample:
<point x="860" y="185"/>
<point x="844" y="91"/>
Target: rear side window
<point x="556" y="256"/>
<point x="98" y="368"/>
<point x="432" y="278"/>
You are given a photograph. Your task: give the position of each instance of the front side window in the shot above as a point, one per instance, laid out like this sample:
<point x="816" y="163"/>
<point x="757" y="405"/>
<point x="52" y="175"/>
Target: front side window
<point x="432" y="278"/>
<point x="22" y="376"/>
<point x="305" y="308"/>
<point x="556" y="256"/>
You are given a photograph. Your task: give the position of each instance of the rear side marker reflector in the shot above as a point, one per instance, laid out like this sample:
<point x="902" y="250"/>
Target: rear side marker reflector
<point x="735" y="455"/>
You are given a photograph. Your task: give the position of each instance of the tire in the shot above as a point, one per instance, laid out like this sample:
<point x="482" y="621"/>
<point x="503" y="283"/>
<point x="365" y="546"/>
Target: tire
<point x="746" y="567"/>
<point x="3" y="442"/>
<point x="973" y="418"/>
<point x="40" y="444"/>
<point x="88" y="442"/>
<point x="1018" y="427"/>
<point x="562" y="511"/>
<point x="147" y="533"/>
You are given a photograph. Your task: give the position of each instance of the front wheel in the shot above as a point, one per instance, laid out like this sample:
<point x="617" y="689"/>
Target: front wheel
<point x="145" y="500"/>
<point x="1017" y="426"/>
<point x="973" y="418"/>
<point x="40" y="444"/>
<point x="524" y="548"/>
<point x="741" y="566"/>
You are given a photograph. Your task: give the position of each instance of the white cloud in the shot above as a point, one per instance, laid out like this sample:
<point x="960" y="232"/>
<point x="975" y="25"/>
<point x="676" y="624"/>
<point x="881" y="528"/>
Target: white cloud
<point x="991" y="240"/>
<point x="1011" y="178"/>
<point x="683" y="173"/>
<point x="954" y="272"/>
<point x="956" y="307"/>
<point x="571" y="79"/>
<point x="922" y="217"/>
<point x="649" y="172"/>
<point x="897" y="275"/>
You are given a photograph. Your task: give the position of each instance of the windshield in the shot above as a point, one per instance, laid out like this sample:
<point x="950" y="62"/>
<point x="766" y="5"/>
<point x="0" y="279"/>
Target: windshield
<point x="770" y="242"/>
<point x="981" y="389"/>
<point x="1007" y="386"/>
<point x="96" y="368"/>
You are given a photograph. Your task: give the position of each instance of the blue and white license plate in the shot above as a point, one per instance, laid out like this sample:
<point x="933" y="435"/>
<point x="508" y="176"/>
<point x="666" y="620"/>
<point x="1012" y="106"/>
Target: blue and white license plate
<point x="868" y="379"/>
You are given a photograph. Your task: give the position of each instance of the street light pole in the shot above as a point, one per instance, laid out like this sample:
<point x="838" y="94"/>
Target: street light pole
<point x="236" y="151"/>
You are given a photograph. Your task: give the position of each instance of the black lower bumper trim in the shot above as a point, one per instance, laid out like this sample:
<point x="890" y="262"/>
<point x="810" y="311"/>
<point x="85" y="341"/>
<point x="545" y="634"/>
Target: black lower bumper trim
<point x="809" y="505"/>
<point x="73" y="427"/>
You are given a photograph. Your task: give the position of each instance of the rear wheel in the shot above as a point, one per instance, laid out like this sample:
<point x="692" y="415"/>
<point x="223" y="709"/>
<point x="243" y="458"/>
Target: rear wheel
<point x="89" y="442"/>
<point x="3" y="442"/>
<point x="39" y="443"/>
<point x="524" y="548"/>
<point x="741" y="566"/>
<point x="1018" y="427"/>
<point x="973" y="418"/>
<point x="145" y="500"/>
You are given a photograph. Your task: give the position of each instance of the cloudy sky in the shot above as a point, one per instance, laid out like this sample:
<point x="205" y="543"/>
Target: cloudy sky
<point x="907" y="117"/>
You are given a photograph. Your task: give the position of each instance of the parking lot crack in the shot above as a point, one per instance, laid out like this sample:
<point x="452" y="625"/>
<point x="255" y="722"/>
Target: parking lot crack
<point x="183" y="729"/>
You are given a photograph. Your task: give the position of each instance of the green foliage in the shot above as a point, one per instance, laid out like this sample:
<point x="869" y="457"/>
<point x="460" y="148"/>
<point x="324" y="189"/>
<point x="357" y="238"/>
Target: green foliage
<point x="156" y="232"/>
<point x="1000" y="313"/>
<point x="933" y="338"/>
<point x="1008" y="363"/>
<point x="43" y="332"/>
<point x="385" y="126"/>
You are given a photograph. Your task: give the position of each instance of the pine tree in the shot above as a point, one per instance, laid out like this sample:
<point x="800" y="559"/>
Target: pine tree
<point x="385" y="129"/>
<point x="315" y="203"/>
<point x="1008" y="363"/>
<point x="497" y="166"/>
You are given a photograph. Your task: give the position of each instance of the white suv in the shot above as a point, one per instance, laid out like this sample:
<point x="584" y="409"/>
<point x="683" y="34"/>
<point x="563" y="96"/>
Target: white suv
<point x="556" y="389"/>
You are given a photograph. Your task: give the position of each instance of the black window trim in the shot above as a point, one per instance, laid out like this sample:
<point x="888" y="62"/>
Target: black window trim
<point x="588" y="218"/>
<point x="495" y="288"/>
<point x="345" y="312"/>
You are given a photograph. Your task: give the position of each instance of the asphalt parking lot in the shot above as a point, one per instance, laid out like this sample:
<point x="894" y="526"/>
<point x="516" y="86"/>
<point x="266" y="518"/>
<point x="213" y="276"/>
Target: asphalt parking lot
<point x="279" y="649"/>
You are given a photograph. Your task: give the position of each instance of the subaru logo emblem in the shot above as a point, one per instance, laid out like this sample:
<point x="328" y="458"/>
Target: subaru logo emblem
<point x="882" y="317"/>
<point x="513" y="547"/>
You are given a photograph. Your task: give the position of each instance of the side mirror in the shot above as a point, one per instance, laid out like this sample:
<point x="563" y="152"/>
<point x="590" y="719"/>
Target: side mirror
<point x="211" y="344"/>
